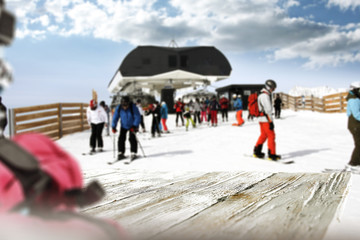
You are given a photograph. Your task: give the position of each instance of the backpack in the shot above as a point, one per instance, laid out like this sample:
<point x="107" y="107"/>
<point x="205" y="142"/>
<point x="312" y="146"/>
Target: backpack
<point x="253" y="105"/>
<point x="42" y="185"/>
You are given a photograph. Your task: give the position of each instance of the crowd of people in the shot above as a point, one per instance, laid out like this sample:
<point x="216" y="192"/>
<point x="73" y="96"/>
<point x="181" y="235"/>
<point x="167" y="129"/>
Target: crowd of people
<point x="196" y="112"/>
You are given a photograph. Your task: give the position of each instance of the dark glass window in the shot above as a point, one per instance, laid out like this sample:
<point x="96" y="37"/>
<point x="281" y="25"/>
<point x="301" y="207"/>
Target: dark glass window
<point x="172" y="61"/>
<point x="184" y="61"/>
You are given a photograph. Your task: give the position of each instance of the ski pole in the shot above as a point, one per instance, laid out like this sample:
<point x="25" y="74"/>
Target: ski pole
<point x="114" y="145"/>
<point x="137" y="140"/>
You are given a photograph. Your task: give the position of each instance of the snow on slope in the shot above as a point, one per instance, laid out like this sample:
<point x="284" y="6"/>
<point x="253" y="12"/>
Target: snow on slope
<point x="313" y="140"/>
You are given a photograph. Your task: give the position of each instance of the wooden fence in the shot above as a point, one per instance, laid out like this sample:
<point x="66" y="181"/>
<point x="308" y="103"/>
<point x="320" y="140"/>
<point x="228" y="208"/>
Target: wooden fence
<point x="328" y="104"/>
<point x="54" y="120"/>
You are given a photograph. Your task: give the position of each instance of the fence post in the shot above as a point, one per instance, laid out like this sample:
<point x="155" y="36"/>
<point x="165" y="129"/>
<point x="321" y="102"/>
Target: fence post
<point x="288" y="101"/>
<point x="60" y="120"/>
<point x="11" y="122"/>
<point x="82" y="116"/>
<point x="340" y="99"/>
<point x="312" y="102"/>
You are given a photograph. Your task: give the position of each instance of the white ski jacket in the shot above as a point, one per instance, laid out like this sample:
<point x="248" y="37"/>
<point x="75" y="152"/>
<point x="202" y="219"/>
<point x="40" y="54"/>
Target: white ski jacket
<point x="96" y="116"/>
<point x="265" y="105"/>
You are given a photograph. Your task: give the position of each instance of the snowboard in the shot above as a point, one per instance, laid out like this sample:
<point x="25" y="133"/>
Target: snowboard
<point x="282" y="161"/>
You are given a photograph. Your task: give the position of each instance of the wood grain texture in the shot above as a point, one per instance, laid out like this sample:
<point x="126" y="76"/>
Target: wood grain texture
<point x="220" y="205"/>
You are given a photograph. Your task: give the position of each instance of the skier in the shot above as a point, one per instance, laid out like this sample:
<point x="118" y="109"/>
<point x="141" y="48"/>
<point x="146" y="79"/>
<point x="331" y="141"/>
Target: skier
<point x="203" y="111"/>
<point x="164" y="116"/>
<point x="353" y="112"/>
<point x="277" y="105"/>
<point x="187" y="116"/>
<point x="214" y="106"/>
<point x="224" y="103"/>
<point x="107" y="111"/>
<point x="179" y="107"/>
<point x="154" y="110"/>
<point x="238" y="106"/>
<point x="96" y="117"/>
<point x="266" y="122"/>
<point x="3" y="118"/>
<point x="141" y="111"/>
<point x="197" y="110"/>
<point x="129" y="117"/>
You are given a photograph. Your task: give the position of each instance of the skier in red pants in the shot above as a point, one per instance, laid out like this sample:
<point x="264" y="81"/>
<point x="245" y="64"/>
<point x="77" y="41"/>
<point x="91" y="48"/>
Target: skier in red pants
<point x="266" y="123"/>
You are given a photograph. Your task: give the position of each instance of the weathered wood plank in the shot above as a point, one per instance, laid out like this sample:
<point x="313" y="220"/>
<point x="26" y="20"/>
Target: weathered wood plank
<point x="221" y="205"/>
<point x="285" y="206"/>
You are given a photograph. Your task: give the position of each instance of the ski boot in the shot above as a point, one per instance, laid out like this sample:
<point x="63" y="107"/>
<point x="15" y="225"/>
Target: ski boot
<point x="257" y="151"/>
<point x="273" y="157"/>
<point x="133" y="156"/>
<point x="121" y="156"/>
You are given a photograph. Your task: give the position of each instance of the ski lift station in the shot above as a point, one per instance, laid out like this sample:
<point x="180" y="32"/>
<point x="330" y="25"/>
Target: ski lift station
<point x="163" y="70"/>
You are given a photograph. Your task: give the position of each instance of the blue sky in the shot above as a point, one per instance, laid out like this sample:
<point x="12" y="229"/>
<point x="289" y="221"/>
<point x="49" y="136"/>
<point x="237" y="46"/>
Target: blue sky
<point x="65" y="48"/>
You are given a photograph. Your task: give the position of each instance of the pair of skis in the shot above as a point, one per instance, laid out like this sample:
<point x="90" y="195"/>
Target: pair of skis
<point x="128" y="160"/>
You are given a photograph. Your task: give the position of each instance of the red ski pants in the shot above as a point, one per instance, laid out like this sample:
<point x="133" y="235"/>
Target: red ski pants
<point x="163" y="121"/>
<point x="267" y="134"/>
<point x="214" y="119"/>
<point x="239" y="118"/>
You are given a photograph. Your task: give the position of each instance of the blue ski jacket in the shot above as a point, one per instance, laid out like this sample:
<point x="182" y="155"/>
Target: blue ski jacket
<point x="164" y="111"/>
<point x="353" y="106"/>
<point x="238" y="104"/>
<point x="128" y="118"/>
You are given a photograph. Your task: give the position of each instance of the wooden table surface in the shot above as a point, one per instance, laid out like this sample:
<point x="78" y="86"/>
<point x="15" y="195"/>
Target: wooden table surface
<point x="220" y="205"/>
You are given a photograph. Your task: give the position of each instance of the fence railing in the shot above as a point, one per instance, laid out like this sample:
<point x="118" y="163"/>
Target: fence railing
<point x="328" y="104"/>
<point x="54" y="120"/>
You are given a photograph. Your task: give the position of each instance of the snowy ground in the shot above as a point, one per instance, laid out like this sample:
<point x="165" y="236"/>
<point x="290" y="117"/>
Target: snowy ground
<point x="313" y="140"/>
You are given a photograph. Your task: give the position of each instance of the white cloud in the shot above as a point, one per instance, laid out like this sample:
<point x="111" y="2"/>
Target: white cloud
<point x="345" y="4"/>
<point x="43" y="20"/>
<point x="230" y="25"/>
<point x="332" y="49"/>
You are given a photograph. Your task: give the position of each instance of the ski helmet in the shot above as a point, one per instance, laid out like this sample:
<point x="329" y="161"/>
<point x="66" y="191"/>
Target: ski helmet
<point x="234" y="95"/>
<point x="125" y="100"/>
<point x="270" y="84"/>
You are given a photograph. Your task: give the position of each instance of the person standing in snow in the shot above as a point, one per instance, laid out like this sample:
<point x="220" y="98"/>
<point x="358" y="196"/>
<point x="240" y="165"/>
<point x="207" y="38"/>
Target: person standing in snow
<point x="96" y="117"/>
<point x="214" y="107"/>
<point x="224" y="103"/>
<point x="154" y="110"/>
<point x="197" y="110"/>
<point x="187" y="116"/>
<point x="107" y="110"/>
<point x="3" y="118"/>
<point x="238" y="106"/>
<point x="141" y="111"/>
<point x="129" y="117"/>
<point x="266" y="122"/>
<point x="179" y="107"/>
<point x="353" y="112"/>
<point x="203" y="107"/>
<point x="164" y="116"/>
<point x="277" y="105"/>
